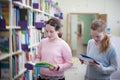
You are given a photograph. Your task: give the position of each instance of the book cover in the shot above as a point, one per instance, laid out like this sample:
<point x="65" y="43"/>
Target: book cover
<point x="87" y="58"/>
<point x="4" y="70"/>
<point x="5" y="14"/>
<point x="31" y="65"/>
<point x="4" y="41"/>
<point x="23" y="14"/>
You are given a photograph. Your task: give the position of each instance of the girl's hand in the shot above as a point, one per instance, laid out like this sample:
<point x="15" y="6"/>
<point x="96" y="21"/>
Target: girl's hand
<point x="82" y="61"/>
<point x="93" y="63"/>
<point x="54" y="68"/>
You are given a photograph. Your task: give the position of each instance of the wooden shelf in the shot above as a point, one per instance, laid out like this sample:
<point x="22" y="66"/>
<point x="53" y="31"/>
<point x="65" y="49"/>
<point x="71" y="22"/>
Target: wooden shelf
<point x="4" y="56"/>
<point x="37" y="10"/>
<point x="12" y="27"/>
<point x="48" y="14"/>
<point x="28" y="34"/>
<point x="19" y="74"/>
<point x="34" y="45"/>
<point x="31" y="27"/>
<point x="19" y="4"/>
<point x="17" y="52"/>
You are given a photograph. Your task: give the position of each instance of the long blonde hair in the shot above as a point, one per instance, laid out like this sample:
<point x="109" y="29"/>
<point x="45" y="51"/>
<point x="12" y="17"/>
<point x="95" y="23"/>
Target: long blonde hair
<point x="101" y="26"/>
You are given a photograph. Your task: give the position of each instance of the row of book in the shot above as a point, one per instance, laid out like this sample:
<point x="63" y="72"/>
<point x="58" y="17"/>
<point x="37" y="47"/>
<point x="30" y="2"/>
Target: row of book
<point x="29" y="37"/>
<point x="17" y="64"/>
<point x="44" y="5"/>
<point x="24" y="17"/>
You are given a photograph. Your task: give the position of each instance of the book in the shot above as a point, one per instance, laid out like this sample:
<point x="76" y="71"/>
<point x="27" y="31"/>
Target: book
<point x="87" y="58"/>
<point x="4" y="41"/>
<point x="5" y="13"/>
<point x="4" y="70"/>
<point x="31" y="65"/>
<point x="23" y="14"/>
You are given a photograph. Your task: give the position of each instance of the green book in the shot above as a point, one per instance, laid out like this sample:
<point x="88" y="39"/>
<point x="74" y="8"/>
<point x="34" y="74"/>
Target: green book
<point x="31" y="65"/>
<point x="44" y="64"/>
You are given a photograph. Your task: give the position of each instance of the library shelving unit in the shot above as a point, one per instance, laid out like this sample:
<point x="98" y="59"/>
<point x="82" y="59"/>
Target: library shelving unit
<point x="22" y="25"/>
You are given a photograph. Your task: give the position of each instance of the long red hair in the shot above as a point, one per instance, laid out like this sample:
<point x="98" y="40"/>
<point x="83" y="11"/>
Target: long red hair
<point x="101" y="26"/>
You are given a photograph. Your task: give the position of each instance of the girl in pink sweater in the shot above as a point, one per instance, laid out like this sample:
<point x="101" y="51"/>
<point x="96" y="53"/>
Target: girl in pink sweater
<point x="54" y="50"/>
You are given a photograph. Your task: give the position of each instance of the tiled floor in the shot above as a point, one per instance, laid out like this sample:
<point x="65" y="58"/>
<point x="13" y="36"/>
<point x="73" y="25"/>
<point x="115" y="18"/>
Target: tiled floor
<point x="77" y="71"/>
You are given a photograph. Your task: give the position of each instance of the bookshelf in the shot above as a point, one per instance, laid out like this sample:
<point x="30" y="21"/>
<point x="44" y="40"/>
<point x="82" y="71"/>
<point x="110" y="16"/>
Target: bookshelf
<point x="22" y="25"/>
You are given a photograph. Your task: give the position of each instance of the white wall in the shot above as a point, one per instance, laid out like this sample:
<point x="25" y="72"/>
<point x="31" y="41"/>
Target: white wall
<point x="109" y="7"/>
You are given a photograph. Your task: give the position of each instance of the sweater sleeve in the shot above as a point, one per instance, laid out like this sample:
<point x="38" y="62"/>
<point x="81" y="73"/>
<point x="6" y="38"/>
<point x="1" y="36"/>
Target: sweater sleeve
<point x="67" y="56"/>
<point x="112" y="57"/>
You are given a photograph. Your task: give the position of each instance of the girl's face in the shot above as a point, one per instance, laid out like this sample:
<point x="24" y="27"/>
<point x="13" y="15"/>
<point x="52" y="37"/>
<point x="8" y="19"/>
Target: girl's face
<point x="51" y="33"/>
<point x="97" y="36"/>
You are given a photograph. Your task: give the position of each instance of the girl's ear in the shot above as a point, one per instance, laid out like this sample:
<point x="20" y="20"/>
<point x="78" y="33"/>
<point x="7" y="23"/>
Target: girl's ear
<point x="57" y="31"/>
<point x="60" y="35"/>
<point x="105" y="32"/>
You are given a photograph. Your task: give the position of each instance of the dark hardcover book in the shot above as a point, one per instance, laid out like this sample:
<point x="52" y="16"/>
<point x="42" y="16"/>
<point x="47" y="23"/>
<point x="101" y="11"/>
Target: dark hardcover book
<point x="23" y="15"/>
<point x="87" y="58"/>
<point x="4" y="70"/>
<point x="5" y="14"/>
<point x="4" y="41"/>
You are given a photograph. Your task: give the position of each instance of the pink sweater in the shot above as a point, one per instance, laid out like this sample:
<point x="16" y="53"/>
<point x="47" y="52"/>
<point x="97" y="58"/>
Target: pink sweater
<point x="55" y="52"/>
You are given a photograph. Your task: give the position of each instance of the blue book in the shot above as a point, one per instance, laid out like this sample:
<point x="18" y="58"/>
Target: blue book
<point x="87" y="58"/>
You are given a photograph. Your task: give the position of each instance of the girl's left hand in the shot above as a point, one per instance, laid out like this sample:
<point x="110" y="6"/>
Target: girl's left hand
<point x="93" y="63"/>
<point x="54" y="68"/>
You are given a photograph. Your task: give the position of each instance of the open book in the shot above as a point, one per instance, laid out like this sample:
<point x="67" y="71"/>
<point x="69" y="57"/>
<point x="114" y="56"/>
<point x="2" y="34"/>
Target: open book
<point x="87" y="58"/>
<point x="31" y="65"/>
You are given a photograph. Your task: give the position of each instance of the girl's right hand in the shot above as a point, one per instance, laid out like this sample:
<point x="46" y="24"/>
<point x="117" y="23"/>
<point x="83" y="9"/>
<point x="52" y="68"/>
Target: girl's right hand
<point x="54" y="68"/>
<point x="81" y="60"/>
